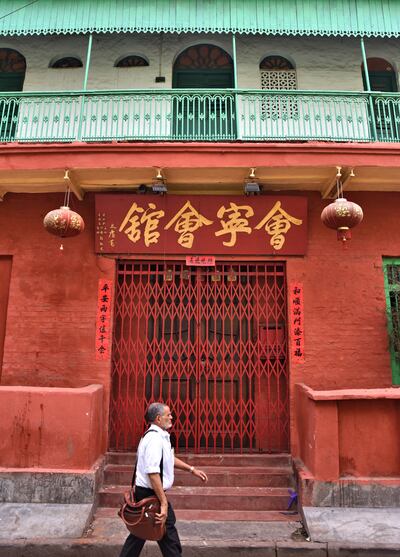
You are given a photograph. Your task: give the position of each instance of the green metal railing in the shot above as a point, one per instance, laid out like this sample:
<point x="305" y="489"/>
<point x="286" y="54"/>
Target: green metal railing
<point x="206" y="115"/>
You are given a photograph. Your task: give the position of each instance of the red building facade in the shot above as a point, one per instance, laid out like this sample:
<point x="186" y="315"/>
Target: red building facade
<point x="233" y="304"/>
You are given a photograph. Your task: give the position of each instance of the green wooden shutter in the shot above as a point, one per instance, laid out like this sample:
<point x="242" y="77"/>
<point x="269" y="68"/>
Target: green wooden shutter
<point x="391" y="269"/>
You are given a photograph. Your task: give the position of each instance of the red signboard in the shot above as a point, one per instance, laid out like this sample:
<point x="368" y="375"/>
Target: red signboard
<point x="296" y="317"/>
<point x="103" y="320"/>
<point x="200" y="261"/>
<point x="172" y="224"/>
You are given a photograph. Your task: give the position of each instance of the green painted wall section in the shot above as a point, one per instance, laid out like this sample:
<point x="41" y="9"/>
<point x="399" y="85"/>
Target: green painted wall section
<point x="379" y="18"/>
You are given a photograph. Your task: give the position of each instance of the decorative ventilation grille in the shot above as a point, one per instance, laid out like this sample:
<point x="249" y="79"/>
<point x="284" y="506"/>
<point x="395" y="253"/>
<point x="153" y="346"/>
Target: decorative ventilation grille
<point x="132" y="61"/>
<point x="279" y="107"/>
<point x="67" y="62"/>
<point x="278" y="79"/>
<point x="203" y="56"/>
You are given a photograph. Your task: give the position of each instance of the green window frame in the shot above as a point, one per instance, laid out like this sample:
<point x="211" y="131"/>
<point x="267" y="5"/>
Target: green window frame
<point x="391" y="269"/>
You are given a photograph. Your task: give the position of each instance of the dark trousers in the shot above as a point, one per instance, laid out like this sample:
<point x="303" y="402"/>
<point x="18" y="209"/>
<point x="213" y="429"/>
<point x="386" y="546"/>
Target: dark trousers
<point x="170" y="544"/>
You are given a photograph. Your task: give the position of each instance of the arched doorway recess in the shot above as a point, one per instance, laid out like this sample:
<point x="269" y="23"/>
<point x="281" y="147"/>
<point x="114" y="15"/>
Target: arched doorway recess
<point x="203" y="66"/>
<point x="204" y="115"/>
<point x="12" y="76"/>
<point x="383" y="79"/>
<point x="12" y="70"/>
<point x="382" y="75"/>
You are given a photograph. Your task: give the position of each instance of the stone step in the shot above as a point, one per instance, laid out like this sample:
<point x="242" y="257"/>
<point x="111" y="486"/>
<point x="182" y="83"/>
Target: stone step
<point x="256" y="459"/>
<point x="197" y="515"/>
<point x="209" y="498"/>
<point x="221" y="476"/>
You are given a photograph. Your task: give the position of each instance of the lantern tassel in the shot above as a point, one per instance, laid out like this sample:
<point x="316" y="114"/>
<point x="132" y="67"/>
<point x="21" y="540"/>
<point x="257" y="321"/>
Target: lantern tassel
<point x="344" y="234"/>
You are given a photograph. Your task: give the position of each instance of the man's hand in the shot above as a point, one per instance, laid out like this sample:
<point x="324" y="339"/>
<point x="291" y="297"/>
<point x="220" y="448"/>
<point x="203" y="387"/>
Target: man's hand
<point x="161" y="517"/>
<point x="200" y="474"/>
<point x="183" y="466"/>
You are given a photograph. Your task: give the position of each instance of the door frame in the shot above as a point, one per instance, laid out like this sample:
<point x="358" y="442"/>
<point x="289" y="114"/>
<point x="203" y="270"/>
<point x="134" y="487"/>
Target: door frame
<point x="270" y="302"/>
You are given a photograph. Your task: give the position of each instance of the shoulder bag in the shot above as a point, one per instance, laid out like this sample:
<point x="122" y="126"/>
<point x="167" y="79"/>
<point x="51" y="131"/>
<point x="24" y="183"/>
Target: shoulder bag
<point x="139" y="516"/>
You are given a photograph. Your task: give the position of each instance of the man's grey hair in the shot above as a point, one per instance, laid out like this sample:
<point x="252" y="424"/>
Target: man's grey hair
<point x="155" y="409"/>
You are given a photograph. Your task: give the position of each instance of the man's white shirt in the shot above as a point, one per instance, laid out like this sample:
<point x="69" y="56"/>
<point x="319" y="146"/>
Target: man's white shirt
<point x="151" y="448"/>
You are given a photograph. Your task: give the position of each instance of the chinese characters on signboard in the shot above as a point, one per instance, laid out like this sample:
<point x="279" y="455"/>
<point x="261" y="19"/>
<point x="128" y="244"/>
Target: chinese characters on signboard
<point x="203" y="224"/>
<point x="200" y="261"/>
<point x="296" y="317"/>
<point x="103" y="320"/>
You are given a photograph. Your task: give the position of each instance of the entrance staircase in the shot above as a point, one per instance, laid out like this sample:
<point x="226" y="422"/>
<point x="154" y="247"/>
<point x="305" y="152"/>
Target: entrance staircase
<point x="240" y="487"/>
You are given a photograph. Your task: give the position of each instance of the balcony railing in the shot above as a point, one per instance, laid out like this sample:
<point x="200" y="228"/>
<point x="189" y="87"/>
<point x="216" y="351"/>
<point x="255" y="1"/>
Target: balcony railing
<point x="206" y="115"/>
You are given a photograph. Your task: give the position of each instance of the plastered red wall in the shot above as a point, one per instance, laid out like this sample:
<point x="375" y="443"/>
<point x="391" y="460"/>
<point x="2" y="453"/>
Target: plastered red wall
<point x="346" y="342"/>
<point x="50" y="427"/>
<point x="5" y="276"/>
<point x="50" y="336"/>
<point x="369" y="432"/>
<point x="348" y="433"/>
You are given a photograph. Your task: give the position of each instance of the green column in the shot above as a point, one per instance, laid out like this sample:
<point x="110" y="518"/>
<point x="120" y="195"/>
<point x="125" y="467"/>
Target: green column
<point x="88" y="56"/>
<point x="235" y="82"/>
<point x="85" y="81"/>
<point x="368" y="84"/>
<point x="235" y="85"/>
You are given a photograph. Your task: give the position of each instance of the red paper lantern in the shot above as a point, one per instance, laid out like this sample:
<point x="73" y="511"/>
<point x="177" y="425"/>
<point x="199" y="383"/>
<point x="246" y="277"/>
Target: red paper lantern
<point x="63" y="222"/>
<point x="341" y="215"/>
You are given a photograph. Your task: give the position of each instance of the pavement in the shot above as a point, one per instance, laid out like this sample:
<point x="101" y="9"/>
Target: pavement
<point x="333" y="524"/>
<point x="66" y="531"/>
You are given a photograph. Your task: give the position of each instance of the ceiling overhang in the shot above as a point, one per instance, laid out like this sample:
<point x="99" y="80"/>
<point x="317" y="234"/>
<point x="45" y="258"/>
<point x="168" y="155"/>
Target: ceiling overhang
<point x="223" y="180"/>
<point x="199" y="168"/>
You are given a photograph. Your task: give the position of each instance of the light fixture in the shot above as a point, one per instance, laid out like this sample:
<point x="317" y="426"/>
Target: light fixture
<point x="252" y="187"/>
<point x="159" y="186"/>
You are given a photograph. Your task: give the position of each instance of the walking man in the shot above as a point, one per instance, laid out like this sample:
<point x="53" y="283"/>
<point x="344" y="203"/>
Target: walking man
<point x="151" y="480"/>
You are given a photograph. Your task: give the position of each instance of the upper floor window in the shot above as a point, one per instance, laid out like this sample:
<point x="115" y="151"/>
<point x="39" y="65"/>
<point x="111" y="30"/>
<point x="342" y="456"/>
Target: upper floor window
<point x="11" y="61"/>
<point x="12" y="70"/>
<point x="277" y="73"/>
<point x="66" y="62"/>
<point x="203" y="57"/>
<point x="132" y="61"/>
<point x="382" y="75"/>
<point x="203" y="66"/>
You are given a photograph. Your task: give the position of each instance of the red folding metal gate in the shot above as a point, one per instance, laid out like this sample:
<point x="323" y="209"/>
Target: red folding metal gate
<point x="211" y="343"/>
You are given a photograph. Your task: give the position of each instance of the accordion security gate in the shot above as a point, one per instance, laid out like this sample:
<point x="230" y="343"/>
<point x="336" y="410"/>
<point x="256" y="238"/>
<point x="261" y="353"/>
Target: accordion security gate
<point x="211" y="343"/>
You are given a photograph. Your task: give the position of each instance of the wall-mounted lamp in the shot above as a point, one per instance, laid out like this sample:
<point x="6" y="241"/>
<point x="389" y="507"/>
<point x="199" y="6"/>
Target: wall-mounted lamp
<point x="252" y="187"/>
<point x="159" y="185"/>
<point x="159" y="188"/>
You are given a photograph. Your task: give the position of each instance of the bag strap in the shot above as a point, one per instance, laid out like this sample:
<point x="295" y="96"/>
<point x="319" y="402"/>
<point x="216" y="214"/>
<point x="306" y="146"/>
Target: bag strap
<point x="161" y="461"/>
